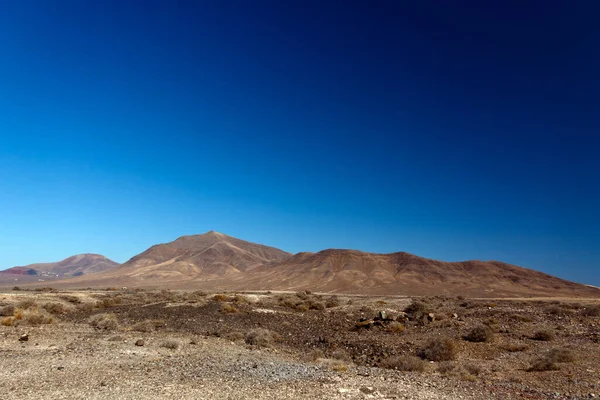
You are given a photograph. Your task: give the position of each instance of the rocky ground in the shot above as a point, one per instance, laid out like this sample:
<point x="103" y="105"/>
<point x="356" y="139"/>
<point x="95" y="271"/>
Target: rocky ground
<point x="121" y="344"/>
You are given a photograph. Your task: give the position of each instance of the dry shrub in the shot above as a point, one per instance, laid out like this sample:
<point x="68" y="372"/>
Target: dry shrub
<point x="543" y="364"/>
<point x="86" y="307"/>
<point x="521" y="318"/>
<point x="220" y="297"/>
<point x="55" y="308"/>
<point x="315" y="355"/>
<point x="105" y="322"/>
<point x="592" y="311"/>
<point x="472" y="369"/>
<point x="395" y="327"/>
<point x="316" y="305"/>
<point x="26" y="303"/>
<point x="7" y="311"/>
<point x="463" y="372"/>
<point x="302" y="307"/>
<point x="561" y="355"/>
<point x="234" y="336"/>
<point x="341" y="354"/>
<point x="143" y="326"/>
<point x="36" y="316"/>
<point x="261" y="337"/>
<point x="417" y="309"/>
<point x="228" y="308"/>
<point x="554" y="310"/>
<point x="479" y="334"/>
<point x="438" y="350"/>
<point x="516" y="347"/>
<point x="404" y="363"/>
<point x="543" y="335"/>
<point x="70" y="298"/>
<point x="8" y="321"/>
<point x="172" y="344"/>
<point x="302" y="295"/>
<point x="335" y="365"/>
<point x="549" y="361"/>
<point x="333" y="302"/>
<point x="239" y="299"/>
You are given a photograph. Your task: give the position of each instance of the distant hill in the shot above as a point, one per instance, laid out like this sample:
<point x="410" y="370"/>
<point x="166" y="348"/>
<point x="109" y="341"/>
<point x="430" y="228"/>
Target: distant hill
<point x="81" y="264"/>
<point x="217" y="261"/>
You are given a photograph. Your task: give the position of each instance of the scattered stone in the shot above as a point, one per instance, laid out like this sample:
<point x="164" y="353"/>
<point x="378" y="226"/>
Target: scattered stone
<point x="60" y="368"/>
<point x="431" y="317"/>
<point x="455" y="316"/>
<point x="24" y="337"/>
<point x="139" y="342"/>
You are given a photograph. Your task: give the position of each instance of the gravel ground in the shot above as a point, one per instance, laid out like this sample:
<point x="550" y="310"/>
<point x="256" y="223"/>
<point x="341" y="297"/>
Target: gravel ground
<point x="70" y="359"/>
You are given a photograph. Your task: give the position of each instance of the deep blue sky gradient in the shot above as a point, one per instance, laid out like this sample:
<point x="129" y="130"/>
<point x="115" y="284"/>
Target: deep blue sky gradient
<point x="453" y="130"/>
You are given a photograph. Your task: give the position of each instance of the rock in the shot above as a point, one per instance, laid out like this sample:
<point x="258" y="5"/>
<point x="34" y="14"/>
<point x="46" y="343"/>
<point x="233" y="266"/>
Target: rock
<point x="365" y="324"/>
<point x="431" y="317"/>
<point x="60" y="368"/>
<point x="382" y="315"/>
<point x="139" y="342"/>
<point x="367" y="389"/>
<point x="24" y="337"/>
<point x="455" y="316"/>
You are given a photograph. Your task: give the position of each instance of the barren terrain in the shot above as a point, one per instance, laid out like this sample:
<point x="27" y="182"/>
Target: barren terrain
<point x="263" y="345"/>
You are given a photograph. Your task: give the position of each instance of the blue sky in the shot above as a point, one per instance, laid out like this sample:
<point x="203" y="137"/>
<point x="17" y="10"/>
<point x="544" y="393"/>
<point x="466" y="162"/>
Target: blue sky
<point x="453" y="131"/>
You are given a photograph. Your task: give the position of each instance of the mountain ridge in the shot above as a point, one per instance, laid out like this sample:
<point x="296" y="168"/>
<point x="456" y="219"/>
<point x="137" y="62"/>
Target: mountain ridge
<point x="217" y="261"/>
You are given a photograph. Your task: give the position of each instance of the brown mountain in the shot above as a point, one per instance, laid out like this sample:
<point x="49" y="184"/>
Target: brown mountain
<point x="81" y="264"/>
<point x="217" y="261"/>
<point x="350" y="271"/>
<point x="208" y="256"/>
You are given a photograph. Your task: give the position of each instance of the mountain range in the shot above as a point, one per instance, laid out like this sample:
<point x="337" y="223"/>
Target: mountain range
<point x="81" y="264"/>
<point x="217" y="261"/>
